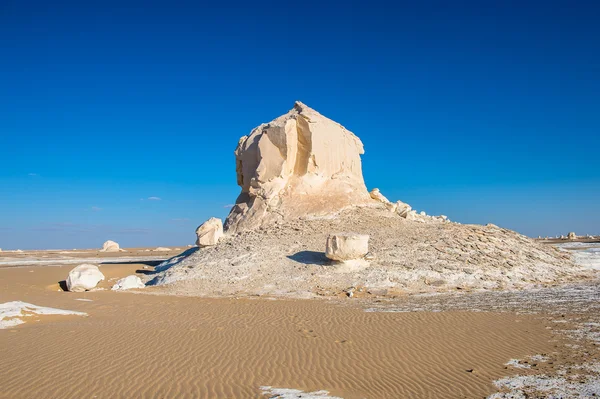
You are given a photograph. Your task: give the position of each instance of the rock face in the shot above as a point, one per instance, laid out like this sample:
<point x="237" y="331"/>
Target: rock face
<point x="209" y="232"/>
<point x="110" y="246"/>
<point x="572" y="236"/>
<point x="347" y="246"/>
<point x="128" y="283"/>
<point x="299" y="164"/>
<point x="84" y="277"/>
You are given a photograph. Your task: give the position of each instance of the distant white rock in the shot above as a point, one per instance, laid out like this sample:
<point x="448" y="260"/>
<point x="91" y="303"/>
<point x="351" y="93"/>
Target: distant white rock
<point x="83" y="278"/>
<point x="128" y="283"/>
<point x="347" y="246"/>
<point x="209" y="232"/>
<point x="572" y="236"/>
<point x="110" y="246"/>
<point x="162" y="249"/>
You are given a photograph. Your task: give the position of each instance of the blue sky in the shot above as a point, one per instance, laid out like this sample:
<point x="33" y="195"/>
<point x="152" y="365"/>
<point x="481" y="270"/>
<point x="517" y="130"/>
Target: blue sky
<point x="482" y="111"/>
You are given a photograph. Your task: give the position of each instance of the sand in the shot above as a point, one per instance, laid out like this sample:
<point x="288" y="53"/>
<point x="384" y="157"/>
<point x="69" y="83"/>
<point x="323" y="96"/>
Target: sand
<point x="134" y="345"/>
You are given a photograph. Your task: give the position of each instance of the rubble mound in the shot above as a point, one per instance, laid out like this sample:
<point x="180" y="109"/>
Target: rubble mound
<point x="407" y="256"/>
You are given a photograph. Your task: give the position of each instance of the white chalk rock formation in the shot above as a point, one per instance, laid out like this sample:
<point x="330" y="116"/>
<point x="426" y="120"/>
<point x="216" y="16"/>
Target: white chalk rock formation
<point x="209" y="232"/>
<point x="110" y="246"/>
<point x="83" y="278"/>
<point x="162" y="249"/>
<point x="347" y="246"/>
<point x="572" y="236"/>
<point x="301" y="163"/>
<point x="128" y="283"/>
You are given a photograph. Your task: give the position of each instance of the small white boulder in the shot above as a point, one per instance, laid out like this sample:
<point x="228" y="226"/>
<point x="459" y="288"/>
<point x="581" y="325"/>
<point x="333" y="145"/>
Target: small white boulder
<point x="83" y="278"/>
<point x="347" y="246"/>
<point x="402" y="209"/>
<point x="376" y="195"/>
<point x="162" y="249"/>
<point x="209" y="232"/>
<point x="128" y="283"/>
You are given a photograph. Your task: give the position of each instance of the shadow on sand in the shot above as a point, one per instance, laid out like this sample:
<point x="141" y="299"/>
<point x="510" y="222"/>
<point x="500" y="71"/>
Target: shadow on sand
<point x="310" y="258"/>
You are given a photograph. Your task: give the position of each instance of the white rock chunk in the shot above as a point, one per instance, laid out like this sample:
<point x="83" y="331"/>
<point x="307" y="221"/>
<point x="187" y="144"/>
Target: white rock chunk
<point x="572" y="236"/>
<point x="110" y="246"/>
<point x="128" y="283"/>
<point x="402" y="209"/>
<point x="299" y="164"/>
<point x="347" y="246"/>
<point x="209" y="232"/>
<point x="376" y="195"/>
<point x="84" y="277"/>
<point x="162" y="249"/>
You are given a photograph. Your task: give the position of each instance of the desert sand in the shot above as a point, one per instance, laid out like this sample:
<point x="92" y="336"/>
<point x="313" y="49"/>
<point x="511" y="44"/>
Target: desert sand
<point x="133" y="345"/>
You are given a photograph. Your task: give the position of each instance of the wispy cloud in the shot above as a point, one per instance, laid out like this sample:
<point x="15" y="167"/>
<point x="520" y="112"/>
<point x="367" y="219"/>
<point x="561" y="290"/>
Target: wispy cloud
<point x="153" y="198"/>
<point x="133" y="231"/>
<point x="228" y="206"/>
<point x="96" y="209"/>
<point x="32" y="174"/>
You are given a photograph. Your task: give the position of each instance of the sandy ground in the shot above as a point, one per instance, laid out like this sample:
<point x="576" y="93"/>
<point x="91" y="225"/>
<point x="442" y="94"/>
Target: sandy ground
<point x="495" y="344"/>
<point x="133" y="345"/>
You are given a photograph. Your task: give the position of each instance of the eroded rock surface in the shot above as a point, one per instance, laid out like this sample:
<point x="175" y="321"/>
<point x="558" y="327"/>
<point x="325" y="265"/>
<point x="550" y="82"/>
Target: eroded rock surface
<point x="83" y="278"/>
<point x="209" y="232"/>
<point x="299" y="164"/>
<point x="347" y="246"/>
<point x="127" y="283"/>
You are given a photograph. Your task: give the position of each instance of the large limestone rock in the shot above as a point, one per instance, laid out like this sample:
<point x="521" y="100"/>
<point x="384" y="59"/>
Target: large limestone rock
<point x="347" y="246"/>
<point x="299" y="164"/>
<point x="572" y="236"/>
<point x="110" y="246"/>
<point x="128" y="283"/>
<point x="83" y="278"/>
<point x="209" y="232"/>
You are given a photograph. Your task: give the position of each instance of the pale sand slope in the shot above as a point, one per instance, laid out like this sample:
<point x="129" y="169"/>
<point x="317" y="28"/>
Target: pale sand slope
<point x="133" y="345"/>
<point x="409" y="257"/>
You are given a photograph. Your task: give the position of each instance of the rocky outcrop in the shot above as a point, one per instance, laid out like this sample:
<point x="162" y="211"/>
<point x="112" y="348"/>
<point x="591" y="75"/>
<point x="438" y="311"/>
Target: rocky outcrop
<point x="572" y="236"/>
<point x="127" y="283"/>
<point x="83" y="278"/>
<point x="347" y="246"/>
<point x="299" y="164"/>
<point x="110" y="246"/>
<point x="209" y="232"/>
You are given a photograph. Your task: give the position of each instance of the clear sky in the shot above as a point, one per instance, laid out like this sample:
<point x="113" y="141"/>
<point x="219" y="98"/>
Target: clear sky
<point x="118" y="119"/>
